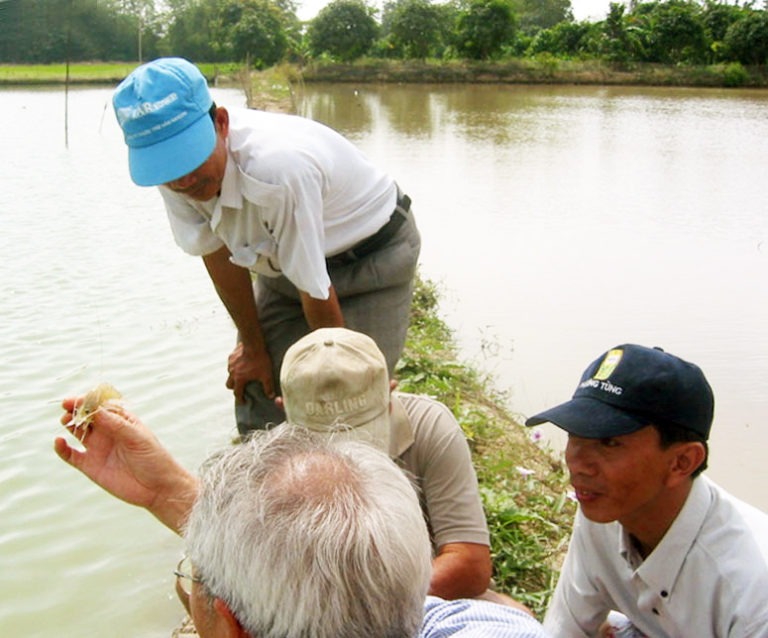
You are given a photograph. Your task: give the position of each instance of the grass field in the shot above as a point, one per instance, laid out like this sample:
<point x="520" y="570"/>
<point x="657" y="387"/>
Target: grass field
<point x="82" y="73"/>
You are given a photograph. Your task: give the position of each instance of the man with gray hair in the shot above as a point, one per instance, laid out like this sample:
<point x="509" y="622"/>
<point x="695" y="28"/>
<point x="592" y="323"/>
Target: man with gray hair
<point x="289" y="535"/>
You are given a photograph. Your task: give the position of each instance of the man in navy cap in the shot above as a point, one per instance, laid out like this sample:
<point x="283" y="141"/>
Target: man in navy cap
<point x="330" y="236"/>
<point x="654" y="540"/>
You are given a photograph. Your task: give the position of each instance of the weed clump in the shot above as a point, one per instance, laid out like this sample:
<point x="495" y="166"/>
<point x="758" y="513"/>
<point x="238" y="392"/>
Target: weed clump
<point x="523" y="487"/>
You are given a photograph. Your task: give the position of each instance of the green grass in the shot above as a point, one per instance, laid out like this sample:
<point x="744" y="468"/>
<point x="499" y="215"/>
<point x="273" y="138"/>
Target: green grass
<point x="56" y="73"/>
<point x="543" y="68"/>
<point x="529" y="515"/>
<point x="96" y="73"/>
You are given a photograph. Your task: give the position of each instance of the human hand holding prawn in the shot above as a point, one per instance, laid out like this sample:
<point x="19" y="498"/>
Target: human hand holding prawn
<point x="124" y="457"/>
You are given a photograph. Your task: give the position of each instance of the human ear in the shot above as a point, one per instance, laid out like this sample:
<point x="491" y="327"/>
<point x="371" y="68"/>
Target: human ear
<point x="222" y="121"/>
<point x="687" y="458"/>
<point x="229" y="626"/>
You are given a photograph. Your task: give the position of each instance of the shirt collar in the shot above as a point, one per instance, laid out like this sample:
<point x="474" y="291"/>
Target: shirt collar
<point x="230" y="196"/>
<point x="662" y="567"/>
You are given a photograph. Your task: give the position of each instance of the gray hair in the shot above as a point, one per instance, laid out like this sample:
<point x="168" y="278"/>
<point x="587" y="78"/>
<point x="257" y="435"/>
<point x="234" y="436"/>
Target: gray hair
<point x="308" y="535"/>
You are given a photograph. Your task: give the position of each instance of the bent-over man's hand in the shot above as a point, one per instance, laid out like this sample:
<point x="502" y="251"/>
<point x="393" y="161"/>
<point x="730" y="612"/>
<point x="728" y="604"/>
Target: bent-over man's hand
<point x="248" y="364"/>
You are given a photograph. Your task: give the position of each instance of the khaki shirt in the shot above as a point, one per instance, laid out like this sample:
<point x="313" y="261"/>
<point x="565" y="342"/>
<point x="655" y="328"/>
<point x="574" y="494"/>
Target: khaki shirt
<point x="438" y="457"/>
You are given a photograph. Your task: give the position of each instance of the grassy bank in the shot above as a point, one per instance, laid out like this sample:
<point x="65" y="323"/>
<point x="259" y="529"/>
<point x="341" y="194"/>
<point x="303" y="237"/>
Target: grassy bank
<point x="544" y="69"/>
<point x="522" y="485"/>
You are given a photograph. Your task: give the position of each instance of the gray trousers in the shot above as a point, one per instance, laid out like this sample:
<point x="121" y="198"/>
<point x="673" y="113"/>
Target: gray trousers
<point x="375" y="297"/>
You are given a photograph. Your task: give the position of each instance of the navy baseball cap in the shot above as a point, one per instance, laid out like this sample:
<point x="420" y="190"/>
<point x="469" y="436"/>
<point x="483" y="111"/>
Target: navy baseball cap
<point x="630" y="387"/>
<point x="162" y="107"/>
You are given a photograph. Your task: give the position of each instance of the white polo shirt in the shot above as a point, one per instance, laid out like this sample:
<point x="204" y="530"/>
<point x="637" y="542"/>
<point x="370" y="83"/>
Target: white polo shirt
<point x="294" y="193"/>
<point x="707" y="578"/>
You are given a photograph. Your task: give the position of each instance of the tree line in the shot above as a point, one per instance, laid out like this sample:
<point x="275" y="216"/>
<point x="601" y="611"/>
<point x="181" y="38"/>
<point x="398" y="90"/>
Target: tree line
<point x="266" y="32"/>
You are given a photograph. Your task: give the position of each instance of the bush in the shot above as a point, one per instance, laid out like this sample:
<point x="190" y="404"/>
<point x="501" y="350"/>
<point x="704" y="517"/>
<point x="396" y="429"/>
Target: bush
<point x="747" y="39"/>
<point x="484" y="28"/>
<point x="346" y="29"/>
<point x="735" y="75"/>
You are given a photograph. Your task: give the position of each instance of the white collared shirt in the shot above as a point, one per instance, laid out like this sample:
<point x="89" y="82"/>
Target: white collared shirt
<point x="294" y="193"/>
<point x="707" y="578"/>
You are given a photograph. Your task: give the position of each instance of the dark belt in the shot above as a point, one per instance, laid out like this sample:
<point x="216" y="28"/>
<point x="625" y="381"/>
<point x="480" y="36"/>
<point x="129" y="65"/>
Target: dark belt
<point x="379" y="238"/>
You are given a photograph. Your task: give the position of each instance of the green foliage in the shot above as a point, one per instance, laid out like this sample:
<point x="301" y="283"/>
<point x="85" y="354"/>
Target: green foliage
<point x="258" y="31"/>
<point x="194" y="32"/>
<point x="617" y="41"/>
<point x="747" y="39"/>
<point x="259" y="34"/>
<point x="484" y="27"/>
<point x="735" y="75"/>
<point x="566" y="39"/>
<point x="526" y="540"/>
<point x="416" y="28"/>
<point x="670" y="32"/>
<point x="44" y="31"/>
<point x="534" y="15"/>
<point x="268" y="32"/>
<point x="677" y="33"/>
<point x="345" y="29"/>
<point x="717" y="17"/>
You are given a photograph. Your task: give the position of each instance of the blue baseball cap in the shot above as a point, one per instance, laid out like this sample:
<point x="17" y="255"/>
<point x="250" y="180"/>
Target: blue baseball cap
<point x="162" y="107"/>
<point x="630" y="387"/>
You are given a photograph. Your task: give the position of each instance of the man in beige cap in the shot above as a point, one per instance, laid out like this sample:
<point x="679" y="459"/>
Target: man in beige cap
<point x="335" y="380"/>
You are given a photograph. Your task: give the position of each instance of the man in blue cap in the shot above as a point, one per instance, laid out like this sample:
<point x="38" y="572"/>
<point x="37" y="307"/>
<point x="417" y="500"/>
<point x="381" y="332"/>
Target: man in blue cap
<point x="666" y="548"/>
<point x="330" y="236"/>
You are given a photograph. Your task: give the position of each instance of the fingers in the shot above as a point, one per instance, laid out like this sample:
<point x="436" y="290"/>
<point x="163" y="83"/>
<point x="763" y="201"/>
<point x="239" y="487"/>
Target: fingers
<point x="269" y="387"/>
<point x="69" y="404"/>
<point x="62" y="449"/>
<point x="248" y="364"/>
<point x="109" y="416"/>
<point x="67" y="453"/>
<point x="239" y="389"/>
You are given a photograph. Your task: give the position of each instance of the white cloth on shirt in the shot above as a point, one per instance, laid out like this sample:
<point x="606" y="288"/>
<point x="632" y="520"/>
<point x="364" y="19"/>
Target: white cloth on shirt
<point x="294" y="193"/>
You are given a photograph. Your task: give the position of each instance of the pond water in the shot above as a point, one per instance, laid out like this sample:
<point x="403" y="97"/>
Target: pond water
<point x="559" y="221"/>
<point x="565" y="220"/>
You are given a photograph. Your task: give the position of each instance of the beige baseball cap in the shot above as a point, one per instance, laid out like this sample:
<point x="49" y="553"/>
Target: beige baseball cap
<point x="335" y="380"/>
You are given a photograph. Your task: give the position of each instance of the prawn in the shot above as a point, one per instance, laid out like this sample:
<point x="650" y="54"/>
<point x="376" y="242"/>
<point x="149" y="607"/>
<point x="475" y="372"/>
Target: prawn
<point x="102" y="397"/>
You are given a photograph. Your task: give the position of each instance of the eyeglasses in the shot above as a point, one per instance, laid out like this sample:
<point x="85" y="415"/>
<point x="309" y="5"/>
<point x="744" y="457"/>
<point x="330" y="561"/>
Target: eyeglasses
<point x="184" y="577"/>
